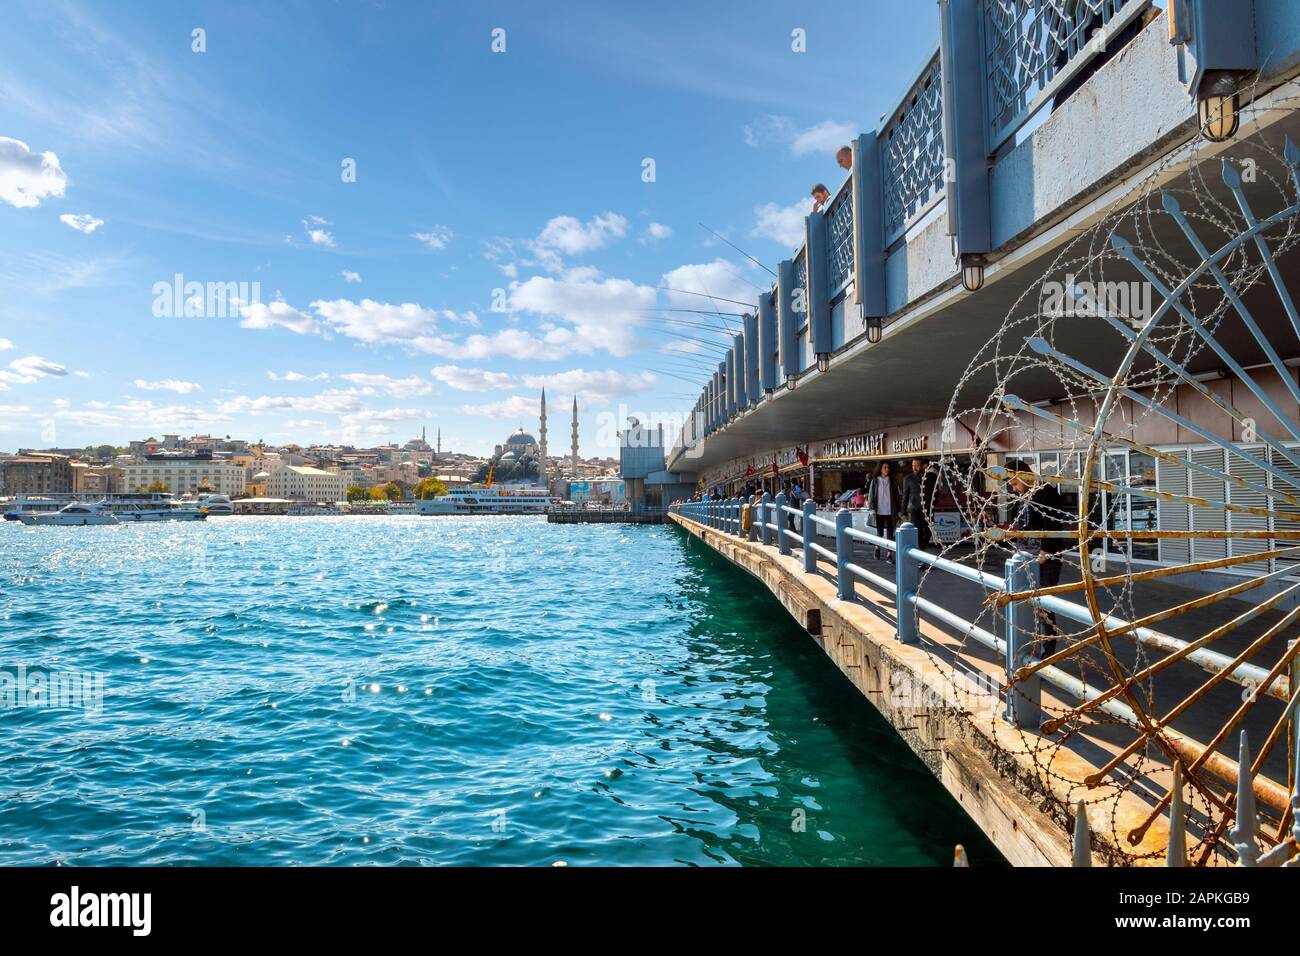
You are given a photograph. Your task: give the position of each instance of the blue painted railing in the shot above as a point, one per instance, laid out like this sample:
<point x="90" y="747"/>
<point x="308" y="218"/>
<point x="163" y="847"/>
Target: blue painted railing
<point x="772" y="522"/>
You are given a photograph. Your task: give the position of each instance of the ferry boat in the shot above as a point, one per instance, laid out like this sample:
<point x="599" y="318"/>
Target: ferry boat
<point x="77" y="513"/>
<point x="487" y="501"/>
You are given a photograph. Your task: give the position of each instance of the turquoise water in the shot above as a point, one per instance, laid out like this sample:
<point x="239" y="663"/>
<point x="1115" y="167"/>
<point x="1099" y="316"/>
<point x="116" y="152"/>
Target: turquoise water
<point x="364" y="690"/>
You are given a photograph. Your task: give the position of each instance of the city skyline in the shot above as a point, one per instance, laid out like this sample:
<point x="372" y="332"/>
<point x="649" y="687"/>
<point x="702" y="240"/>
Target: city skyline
<point x="331" y="249"/>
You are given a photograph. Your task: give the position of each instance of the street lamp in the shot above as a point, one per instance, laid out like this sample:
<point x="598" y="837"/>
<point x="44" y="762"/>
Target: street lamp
<point x="823" y="361"/>
<point x="789" y="382"/>
<point x="972" y="274"/>
<point x="1217" y="107"/>
<point x="874" y="330"/>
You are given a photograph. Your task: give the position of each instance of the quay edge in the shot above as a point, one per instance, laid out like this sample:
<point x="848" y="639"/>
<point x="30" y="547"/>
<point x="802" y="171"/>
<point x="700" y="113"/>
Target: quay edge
<point x="984" y="762"/>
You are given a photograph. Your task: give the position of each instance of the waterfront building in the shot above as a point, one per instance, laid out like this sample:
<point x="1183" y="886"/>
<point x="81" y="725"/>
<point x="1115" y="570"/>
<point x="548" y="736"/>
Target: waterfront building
<point x="185" y="473"/>
<point x="36" y="474"/>
<point x="306" y="484"/>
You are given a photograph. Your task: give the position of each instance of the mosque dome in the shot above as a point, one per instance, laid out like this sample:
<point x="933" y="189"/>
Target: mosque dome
<point x="521" y="437"/>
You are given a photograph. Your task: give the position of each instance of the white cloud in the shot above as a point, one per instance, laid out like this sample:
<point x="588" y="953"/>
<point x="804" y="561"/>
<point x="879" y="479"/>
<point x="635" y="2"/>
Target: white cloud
<point x="782" y="224"/>
<point x="473" y="379"/>
<point x="320" y="237"/>
<point x="436" y="238"/>
<point x="316" y="221"/>
<point x="27" y="177"/>
<point x="297" y="377"/>
<point x="516" y="407"/>
<point x="168" y="385"/>
<point x="26" y="370"/>
<point x="279" y="314"/>
<point x="397" y="387"/>
<point x="377" y="322"/>
<point x="5" y="344"/>
<point x="596" y="385"/>
<point x="826" y="137"/>
<point x="330" y="402"/>
<point x="604" y="313"/>
<point x="83" y="223"/>
<point x="717" y="278"/>
<point x="656" y="231"/>
<point x="572" y="237"/>
<point x="350" y="276"/>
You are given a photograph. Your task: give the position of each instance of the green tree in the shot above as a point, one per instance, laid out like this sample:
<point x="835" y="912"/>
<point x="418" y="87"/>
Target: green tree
<point x="357" y="493"/>
<point x="158" y="486"/>
<point x="429" y="488"/>
<point x="393" y="491"/>
<point x="376" y="494"/>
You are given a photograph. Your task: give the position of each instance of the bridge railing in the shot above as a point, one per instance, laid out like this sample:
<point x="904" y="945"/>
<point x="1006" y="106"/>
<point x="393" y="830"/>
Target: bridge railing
<point x="1011" y="633"/>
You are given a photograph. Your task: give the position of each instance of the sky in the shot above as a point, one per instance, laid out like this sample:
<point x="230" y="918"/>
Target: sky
<point x="341" y="221"/>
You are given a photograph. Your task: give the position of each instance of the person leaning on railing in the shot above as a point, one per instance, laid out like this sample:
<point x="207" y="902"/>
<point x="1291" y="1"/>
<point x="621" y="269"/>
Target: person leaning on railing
<point x="1042" y="510"/>
<point x="821" y="196"/>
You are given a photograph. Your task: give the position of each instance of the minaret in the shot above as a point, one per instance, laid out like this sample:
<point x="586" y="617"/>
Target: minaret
<point x="541" y="436"/>
<point x="574" y="463"/>
<point x="440" y="440"/>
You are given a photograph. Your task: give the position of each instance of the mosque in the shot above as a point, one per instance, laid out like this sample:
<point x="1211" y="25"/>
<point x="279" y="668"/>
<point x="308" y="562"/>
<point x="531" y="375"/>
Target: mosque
<point x="522" y="459"/>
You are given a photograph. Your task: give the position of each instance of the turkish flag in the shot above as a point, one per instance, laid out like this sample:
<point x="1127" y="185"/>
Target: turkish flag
<point x="803" y="456"/>
<point x="749" y="471"/>
<point x="775" y="469"/>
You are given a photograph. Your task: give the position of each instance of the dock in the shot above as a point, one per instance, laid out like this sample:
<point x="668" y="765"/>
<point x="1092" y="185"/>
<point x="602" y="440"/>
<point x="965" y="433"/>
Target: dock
<point x="579" y="515"/>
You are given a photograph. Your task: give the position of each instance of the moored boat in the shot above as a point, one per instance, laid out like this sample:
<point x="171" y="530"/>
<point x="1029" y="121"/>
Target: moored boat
<point x="77" y="513"/>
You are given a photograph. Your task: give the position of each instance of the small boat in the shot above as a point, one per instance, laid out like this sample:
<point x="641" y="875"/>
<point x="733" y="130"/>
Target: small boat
<point x="78" y="513"/>
<point x="215" y="504"/>
<point x="20" y="505"/>
<point x="150" y="506"/>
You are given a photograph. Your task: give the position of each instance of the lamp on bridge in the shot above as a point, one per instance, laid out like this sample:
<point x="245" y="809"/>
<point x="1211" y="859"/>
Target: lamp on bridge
<point x="1217" y="107"/>
<point x="972" y="274"/>
<point x="823" y="361"/>
<point x="789" y="382"/>
<point x="874" y="329"/>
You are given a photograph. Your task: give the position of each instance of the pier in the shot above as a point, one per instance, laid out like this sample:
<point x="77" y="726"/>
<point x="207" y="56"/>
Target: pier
<point x="609" y="515"/>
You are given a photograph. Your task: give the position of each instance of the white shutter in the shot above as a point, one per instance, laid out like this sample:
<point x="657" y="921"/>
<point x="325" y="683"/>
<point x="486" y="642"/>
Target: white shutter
<point x="1211" y="517"/>
<point x="1285" y="466"/>
<point x="1172" y="516"/>
<point x="1249" y="498"/>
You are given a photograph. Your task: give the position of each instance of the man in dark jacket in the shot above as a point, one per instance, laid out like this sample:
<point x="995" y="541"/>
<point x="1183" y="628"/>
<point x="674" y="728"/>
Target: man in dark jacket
<point x="915" y="503"/>
<point x="1042" y="509"/>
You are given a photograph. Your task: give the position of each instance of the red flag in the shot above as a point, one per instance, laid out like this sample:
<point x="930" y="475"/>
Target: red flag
<point x="803" y="456"/>
<point x="775" y="469"/>
<point x="749" y="471"/>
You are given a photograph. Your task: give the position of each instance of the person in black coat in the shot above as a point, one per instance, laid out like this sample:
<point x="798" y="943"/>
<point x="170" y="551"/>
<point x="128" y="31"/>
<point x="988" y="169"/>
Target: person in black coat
<point x="1043" y="510"/>
<point x="884" y="501"/>
<point x="917" y="491"/>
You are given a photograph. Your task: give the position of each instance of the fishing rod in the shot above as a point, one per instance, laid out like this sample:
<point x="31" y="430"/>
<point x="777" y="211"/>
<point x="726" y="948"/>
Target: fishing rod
<point x="687" y="324"/>
<point x="738" y="249"/>
<point x="704" y="295"/>
<point x="721" y="349"/>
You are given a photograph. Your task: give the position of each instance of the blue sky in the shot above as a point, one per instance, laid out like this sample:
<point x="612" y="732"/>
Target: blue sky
<point x="511" y="179"/>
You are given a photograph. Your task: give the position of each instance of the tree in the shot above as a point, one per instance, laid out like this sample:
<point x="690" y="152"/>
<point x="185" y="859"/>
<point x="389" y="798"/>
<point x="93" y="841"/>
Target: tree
<point x="393" y="491"/>
<point x="158" y="486"/>
<point x="357" y="493"/>
<point x="429" y="488"/>
<point x="376" y="494"/>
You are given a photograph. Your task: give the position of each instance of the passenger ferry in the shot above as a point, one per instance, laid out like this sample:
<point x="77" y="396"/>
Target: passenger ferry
<point x="135" y="506"/>
<point x="488" y="501"/>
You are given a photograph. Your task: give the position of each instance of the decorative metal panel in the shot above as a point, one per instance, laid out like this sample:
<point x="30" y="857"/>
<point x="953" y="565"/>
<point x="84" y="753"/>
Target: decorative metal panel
<point x="839" y="232"/>
<point x="912" y="152"/>
<point x="1029" y="43"/>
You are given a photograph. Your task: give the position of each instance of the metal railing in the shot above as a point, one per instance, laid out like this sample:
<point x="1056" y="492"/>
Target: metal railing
<point x="772" y="522"/>
<point x="912" y="153"/>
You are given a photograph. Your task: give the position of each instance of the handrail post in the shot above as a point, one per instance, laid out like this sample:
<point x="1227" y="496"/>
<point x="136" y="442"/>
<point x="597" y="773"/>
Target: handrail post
<point x="735" y="516"/>
<point x="1024" y="700"/>
<point x="753" y="527"/>
<point x="764" y="509"/>
<point x="782" y="540"/>
<point x="809" y="555"/>
<point x="906" y="538"/>
<point x="843" y="551"/>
